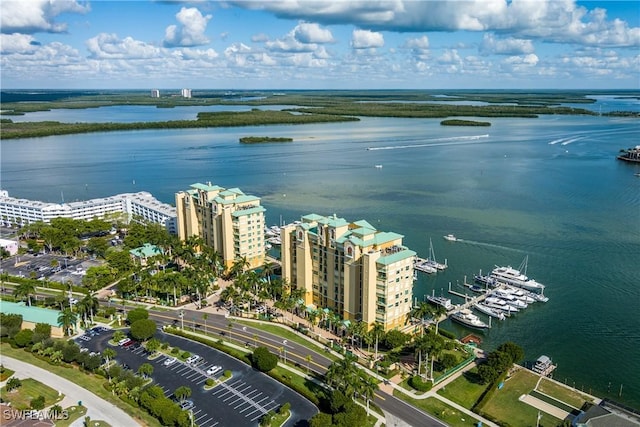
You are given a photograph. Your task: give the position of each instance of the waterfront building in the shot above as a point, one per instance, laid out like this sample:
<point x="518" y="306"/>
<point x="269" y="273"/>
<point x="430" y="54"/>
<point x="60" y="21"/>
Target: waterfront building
<point x="351" y="268"/>
<point x="186" y="93"/>
<point x="229" y="221"/>
<point x="155" y="93"/>
<point x="137" y="206"/>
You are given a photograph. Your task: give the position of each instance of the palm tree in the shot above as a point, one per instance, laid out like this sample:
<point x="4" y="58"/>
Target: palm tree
<point x="91" y="304"/>
<point x="309" y="358"/>
<point x="108" y="354"/>
<point x="205" y="316"/>
<point x="67" y="320"/>
<point x="146" y="369"/>
<point x="367" y="388"/>
<point x="377" y="331"/>
<point x="25" y="290"/>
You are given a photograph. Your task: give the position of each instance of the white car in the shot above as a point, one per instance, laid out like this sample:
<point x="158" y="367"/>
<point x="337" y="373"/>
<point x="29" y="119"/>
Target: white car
<point x="214" y="370"/>
<point x="192" y="359"/>
<point x="170" y="361"/>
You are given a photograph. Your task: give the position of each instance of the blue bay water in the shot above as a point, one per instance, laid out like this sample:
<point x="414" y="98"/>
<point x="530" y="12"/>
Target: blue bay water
<point x="549" y="188"/>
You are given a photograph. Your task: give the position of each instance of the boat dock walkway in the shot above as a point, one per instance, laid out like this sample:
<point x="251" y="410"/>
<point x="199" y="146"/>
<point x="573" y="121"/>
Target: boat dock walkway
<point x="470" y="300"/>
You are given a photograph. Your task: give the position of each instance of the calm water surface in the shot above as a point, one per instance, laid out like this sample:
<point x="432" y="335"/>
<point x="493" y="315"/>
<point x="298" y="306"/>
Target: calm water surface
<point x="549" y="188"/>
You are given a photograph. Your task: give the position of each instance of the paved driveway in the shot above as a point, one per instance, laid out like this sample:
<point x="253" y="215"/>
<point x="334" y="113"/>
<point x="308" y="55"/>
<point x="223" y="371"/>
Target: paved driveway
<point x="240" y="401"/>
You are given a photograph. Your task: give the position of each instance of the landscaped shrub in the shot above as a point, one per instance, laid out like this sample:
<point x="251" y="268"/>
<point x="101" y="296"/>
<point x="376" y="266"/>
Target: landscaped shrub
<point x="209" y="382"/>
<point x="37" y="403"/>
<point x="419" y="384"/>
<point x="13" y="384"/>
<point x="263" y="360"/>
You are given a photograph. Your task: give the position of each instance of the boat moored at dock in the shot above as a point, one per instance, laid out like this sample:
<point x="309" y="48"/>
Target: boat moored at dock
<point x="489" y="311"/>
<point x="441" y="301"/>
<point x="517" y="277"/>
<point x="467" y="318"/>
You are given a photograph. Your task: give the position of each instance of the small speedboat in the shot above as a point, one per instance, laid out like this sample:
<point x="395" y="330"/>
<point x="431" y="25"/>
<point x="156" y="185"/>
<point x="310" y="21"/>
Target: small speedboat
<point x="450" y="237"/>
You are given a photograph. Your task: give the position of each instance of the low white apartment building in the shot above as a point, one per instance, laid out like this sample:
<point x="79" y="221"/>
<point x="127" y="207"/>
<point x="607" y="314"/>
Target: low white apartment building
<point x="135" y="205"/>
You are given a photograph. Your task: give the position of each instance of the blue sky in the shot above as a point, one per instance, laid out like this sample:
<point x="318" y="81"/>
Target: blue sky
<point x="318" y="44"/>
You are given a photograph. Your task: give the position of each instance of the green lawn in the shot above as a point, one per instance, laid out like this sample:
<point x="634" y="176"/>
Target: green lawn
<point x="92" y="383"/>
<point x="464" y="390"/>
<point x="5" y="374"/>
<point x="505" y="404"/>
<point x="562" y="393"/>
<point x="440" y="410"/>
<point x="75" y="412"/>
<point x="20" y="398"/>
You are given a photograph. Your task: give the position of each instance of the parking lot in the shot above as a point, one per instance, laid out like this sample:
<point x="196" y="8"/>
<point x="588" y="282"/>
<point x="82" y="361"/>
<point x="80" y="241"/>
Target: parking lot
<point x="240" y="401"/>
<point x="55" y="268"/>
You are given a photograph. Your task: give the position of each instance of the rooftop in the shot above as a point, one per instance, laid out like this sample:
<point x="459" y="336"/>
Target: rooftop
<point x="31" y="314"/>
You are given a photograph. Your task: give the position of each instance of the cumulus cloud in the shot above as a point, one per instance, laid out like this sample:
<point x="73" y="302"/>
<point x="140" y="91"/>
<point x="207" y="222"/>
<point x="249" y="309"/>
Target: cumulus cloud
<point x="110" y="46"/>
<point x="365" y="39"/>
<point x="312" y="33"/>
<point x="289" y="44"/>
<point x="259" y="38"/>
<point x="190" y="31"/>
<point x="551" y="20"/>
<point x="531" y="59"/>
<point x="36" y="16"/>
<point x="17" y="43"/>
<point x="508" y="46"/>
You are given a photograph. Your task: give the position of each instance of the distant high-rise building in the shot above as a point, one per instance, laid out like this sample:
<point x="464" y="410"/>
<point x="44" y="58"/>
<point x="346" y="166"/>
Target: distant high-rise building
<point x="155" y="93"/>
<point x="186" y="93"/>
<point x="350" y="267"/>
<point x="229" y="221"/>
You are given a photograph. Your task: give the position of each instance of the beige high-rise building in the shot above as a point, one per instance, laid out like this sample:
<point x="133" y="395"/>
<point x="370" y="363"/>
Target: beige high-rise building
<point x="226" y="219"/>
<point x="350" y="267"/>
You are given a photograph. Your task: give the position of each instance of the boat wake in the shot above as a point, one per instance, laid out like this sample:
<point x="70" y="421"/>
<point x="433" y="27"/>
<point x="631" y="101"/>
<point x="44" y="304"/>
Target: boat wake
<point x="566" y="141"/>
<point x="489" y="245"/>
<point x="439" y="142"/>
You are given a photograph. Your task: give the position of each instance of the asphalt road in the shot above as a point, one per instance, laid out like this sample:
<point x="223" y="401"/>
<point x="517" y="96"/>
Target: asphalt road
<point x="240" y="401"/>
<point x="218" y="324"/>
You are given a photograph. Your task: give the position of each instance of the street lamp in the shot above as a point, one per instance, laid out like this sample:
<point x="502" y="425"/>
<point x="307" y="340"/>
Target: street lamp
<point x="181" y="314"/>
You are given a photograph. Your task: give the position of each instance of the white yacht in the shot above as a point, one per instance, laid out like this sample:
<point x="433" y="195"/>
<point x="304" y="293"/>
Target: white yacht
<point x="489" y="311"/>
<point x="467" y="318"/>
<point x="517" y="277"/>
<point x="508" y="298"/>
<point x="450" y="237"/>
<point x="442" y="301"/>
<point x="499" y="304"/>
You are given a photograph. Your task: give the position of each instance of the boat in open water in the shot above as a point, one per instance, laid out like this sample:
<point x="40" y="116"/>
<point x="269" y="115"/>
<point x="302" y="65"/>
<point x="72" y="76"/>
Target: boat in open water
<point x="467" y="318"/>
<point x="450" y="237"/>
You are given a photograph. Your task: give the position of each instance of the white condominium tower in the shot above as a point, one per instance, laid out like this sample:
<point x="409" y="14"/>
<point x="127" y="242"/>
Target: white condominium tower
<point x="350" y="267"/>
<point x="228" y="220"/>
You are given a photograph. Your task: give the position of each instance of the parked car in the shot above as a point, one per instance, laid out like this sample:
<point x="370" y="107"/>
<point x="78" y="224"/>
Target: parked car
<point x="170" y="361"/>
<point x="123" y="341"/>
<point x="214" y="370"/>
<point x="192" y="359"/>
<point x="186" y="404"/>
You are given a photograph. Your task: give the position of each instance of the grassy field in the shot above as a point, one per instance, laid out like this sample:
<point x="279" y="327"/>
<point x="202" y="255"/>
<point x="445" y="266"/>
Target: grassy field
<point x="562" y="393"/>
<point x="440" y="410"/>
<point x="75" y="412"/>
<point x="464" y="390"/>
<point x="505" y="404"/>
<point x="5" y="374"/>
<point x="92" y="383"/>
<point x="21" y="397"/>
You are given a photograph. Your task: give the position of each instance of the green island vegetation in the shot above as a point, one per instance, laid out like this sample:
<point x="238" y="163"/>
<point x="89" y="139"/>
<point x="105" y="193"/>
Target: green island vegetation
<point x="454" y="122"/>
<point x="261" y="139"/>
<point x="308" y="106"/>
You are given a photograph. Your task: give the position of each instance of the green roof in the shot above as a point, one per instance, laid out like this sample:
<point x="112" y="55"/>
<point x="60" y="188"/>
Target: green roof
<point x="31" y="314"/>
<point x="333" y="221"/>
<point x="146" y="251"/>
<point x="312" y="217"/>
<point x="243" y="212"/>
<point x="395" y="257"/>
<point x="364" y="224"/>
<point x="242" y="198"/>
<point x="206" y="187"/>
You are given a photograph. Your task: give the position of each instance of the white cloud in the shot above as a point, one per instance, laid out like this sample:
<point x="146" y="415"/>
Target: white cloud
<point x="259" y="38"/>
<point x="110" y="46"/>
<point x="531" y="59"/>
<point x="508" y="46"/>
<point x="552" y="20"/>
<point x="312" y="33"/>
<point x="33" y="16"/>
<point x="17" y="43"/>
<point x="190" y="31"/>
<point x="289" y="44"/>
<point x="421" y="43"/>
<point x="365" y="39"/>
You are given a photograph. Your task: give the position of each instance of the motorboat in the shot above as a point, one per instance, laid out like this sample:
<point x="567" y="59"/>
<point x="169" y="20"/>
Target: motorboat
<point x="467" y="318"/>
<point x="484" y="280"/>
<point x="489" y="311"/>
<point x="508" y="298"/>
<point x="520" y="294"/>
<point x="441" y="301"/>
<point x="451" y="238"/>
<point x="499" y="304"/>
